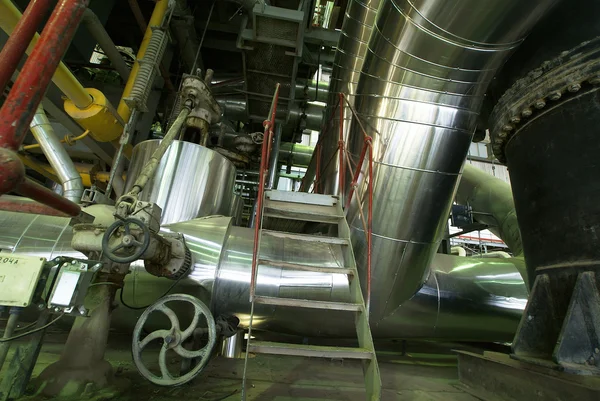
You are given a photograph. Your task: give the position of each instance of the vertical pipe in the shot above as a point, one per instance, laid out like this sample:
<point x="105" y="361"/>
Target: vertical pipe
<point x="11" y="325"/>
<point x="341" y="147"/>
<point x="273" y="172"/>
<point x="30" y="86"/>
<point x="57" y="156"/>
<point x="18" y="41"/>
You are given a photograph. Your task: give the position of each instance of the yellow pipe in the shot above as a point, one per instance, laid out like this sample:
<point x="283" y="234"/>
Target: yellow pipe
<point x="63" y="78"/>
<point x="68" y="139"/>
<point x="158" y="15"/>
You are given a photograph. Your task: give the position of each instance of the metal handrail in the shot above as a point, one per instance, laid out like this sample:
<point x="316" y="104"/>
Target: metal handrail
<point x="367" y="149"/>
<point x="263" y="171"/>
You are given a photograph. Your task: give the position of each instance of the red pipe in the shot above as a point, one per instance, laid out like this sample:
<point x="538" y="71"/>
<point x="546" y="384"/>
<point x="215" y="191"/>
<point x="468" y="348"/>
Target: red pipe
<point x="264" y="163"/>
<point x="27" y="206"/>
<point x="31" y="84"/>
<point x="33" y="190"/>
<point x="19" y="40"/>
<point x="369" y="143"/>
<point x="26" y="94"/>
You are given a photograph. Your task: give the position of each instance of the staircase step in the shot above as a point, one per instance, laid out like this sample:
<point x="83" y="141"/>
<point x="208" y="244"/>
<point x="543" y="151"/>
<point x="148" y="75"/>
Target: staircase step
<point x="306" y="237"/>
<point x="307" y="303"/>
<point x="308" y="268"/>
<point x="298" y="211"/>
<point x="318" y="351"/>
<point x="302" y="197"/>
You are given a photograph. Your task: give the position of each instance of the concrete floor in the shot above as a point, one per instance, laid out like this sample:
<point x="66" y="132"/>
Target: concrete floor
<point x="427" y="371"/>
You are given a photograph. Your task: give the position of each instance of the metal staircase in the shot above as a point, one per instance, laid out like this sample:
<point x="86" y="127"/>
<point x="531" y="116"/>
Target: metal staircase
<point x="285" y="210"/>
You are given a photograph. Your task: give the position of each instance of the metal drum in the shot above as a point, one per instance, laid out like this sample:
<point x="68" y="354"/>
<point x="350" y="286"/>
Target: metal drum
<point x="191" y="181"/>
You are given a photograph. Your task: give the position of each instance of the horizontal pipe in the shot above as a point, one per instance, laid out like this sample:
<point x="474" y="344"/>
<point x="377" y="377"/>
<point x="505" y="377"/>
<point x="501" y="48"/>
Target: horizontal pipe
<point x="463" y="298"/>
<point x="37" y="192"/>
<point x="63" y="78"/>
<point x="19" y="204"/>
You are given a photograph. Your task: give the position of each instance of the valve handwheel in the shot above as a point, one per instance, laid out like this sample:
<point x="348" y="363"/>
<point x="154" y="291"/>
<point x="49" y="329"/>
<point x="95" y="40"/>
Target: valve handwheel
<point x="129" y="246"/>
<point x="173" y="339"/>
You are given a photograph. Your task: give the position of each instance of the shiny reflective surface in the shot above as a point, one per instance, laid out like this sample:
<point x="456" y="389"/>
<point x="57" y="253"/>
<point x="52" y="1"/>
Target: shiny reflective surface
<point x="350" y="52"/>
<point x="462" y="298"/>
<point x="426" y="70"/>
<point x="190" y="181"/>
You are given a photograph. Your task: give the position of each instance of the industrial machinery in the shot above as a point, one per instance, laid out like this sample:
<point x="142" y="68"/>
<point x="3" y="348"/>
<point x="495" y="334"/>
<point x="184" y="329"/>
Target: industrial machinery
<point x="170" y="204"/>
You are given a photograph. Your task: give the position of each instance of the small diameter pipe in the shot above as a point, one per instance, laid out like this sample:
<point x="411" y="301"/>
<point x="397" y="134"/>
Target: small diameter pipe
<point x="57" y="156"/>
<point x="150" y="167"/>
<point x="273" y="171"/>
<point x="93" y="24"/>
<point x="11" y="325"/>
<point x="18" y="41"/>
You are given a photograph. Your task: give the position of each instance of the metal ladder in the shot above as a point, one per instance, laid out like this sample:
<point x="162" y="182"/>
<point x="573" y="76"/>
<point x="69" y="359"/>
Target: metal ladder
<point x="282" y="210"/>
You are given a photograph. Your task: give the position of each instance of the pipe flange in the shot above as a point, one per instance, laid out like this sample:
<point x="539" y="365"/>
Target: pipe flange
<point x="572" y="73"/>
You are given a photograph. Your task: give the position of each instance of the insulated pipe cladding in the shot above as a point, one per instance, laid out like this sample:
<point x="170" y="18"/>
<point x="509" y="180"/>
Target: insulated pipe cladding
<point x="426" y="70"/>
<point x="463" y="298"/>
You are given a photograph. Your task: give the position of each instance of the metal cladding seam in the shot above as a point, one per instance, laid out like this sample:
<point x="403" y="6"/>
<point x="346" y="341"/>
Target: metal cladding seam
<point x="425" y="74"/>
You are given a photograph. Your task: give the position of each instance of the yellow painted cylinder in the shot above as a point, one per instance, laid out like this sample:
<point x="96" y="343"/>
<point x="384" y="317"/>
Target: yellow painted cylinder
<point x="100" y="117"/>
<point x="63" y="78"/>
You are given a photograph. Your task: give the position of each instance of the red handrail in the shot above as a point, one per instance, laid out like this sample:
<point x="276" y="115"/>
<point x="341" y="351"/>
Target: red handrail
<point x="263" y="170"/>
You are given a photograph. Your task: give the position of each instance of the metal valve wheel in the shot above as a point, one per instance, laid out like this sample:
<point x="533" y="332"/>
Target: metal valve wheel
<point x="173" y="339"/>
<point x="129" y="247"/>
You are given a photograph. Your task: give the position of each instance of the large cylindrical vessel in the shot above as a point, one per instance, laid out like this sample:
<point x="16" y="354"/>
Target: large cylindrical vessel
<point x="190" y="181"/>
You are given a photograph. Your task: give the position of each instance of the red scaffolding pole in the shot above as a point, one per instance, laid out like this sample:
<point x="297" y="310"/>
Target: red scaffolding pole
<point x="25" y="96"/>
<point x="19" y="40"/>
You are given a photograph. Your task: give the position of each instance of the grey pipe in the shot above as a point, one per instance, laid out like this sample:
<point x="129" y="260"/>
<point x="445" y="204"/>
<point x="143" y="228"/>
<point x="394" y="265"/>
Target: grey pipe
<point x="57" y="156"/>
<point x="11" y="325"/>
<point x="274" y="162"/>
<point x="349" y="57"/>
<point x="493" y="204"/>
<point x="424" y="77"/>
<point x="93" y="24"/>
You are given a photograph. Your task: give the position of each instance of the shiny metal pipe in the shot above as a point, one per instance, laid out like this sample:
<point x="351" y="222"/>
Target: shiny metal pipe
<point x="57" y="156"/>
<point x="300" y="154"/>
<point x="274" y="162"/>
<point x="462" y="298"/>
<point x="349" y="57"/>
<point x="493" y="204"/>
<point x="190" y="180"/>
<point x="425" y="73"/>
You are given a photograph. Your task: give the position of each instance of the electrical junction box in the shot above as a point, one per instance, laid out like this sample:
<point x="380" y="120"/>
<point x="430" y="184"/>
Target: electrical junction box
<point x="19" y="277"/>
<point x="71" y="285"/>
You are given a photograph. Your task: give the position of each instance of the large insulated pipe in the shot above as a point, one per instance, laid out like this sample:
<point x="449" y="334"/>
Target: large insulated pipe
<point x="347" y="65"/>
<point x="463" y="298"/>
<point x="57" y="156"/>
<point x="93" y="24"/>
<point x="492" y="202"/>
<point x="424" y="77"/>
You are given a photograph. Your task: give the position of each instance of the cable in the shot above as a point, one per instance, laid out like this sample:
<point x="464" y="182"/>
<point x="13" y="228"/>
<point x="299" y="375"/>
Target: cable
<point x="5" y="340"/>
<point x="144" y="307"/>
<point x="104" y="283"/>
